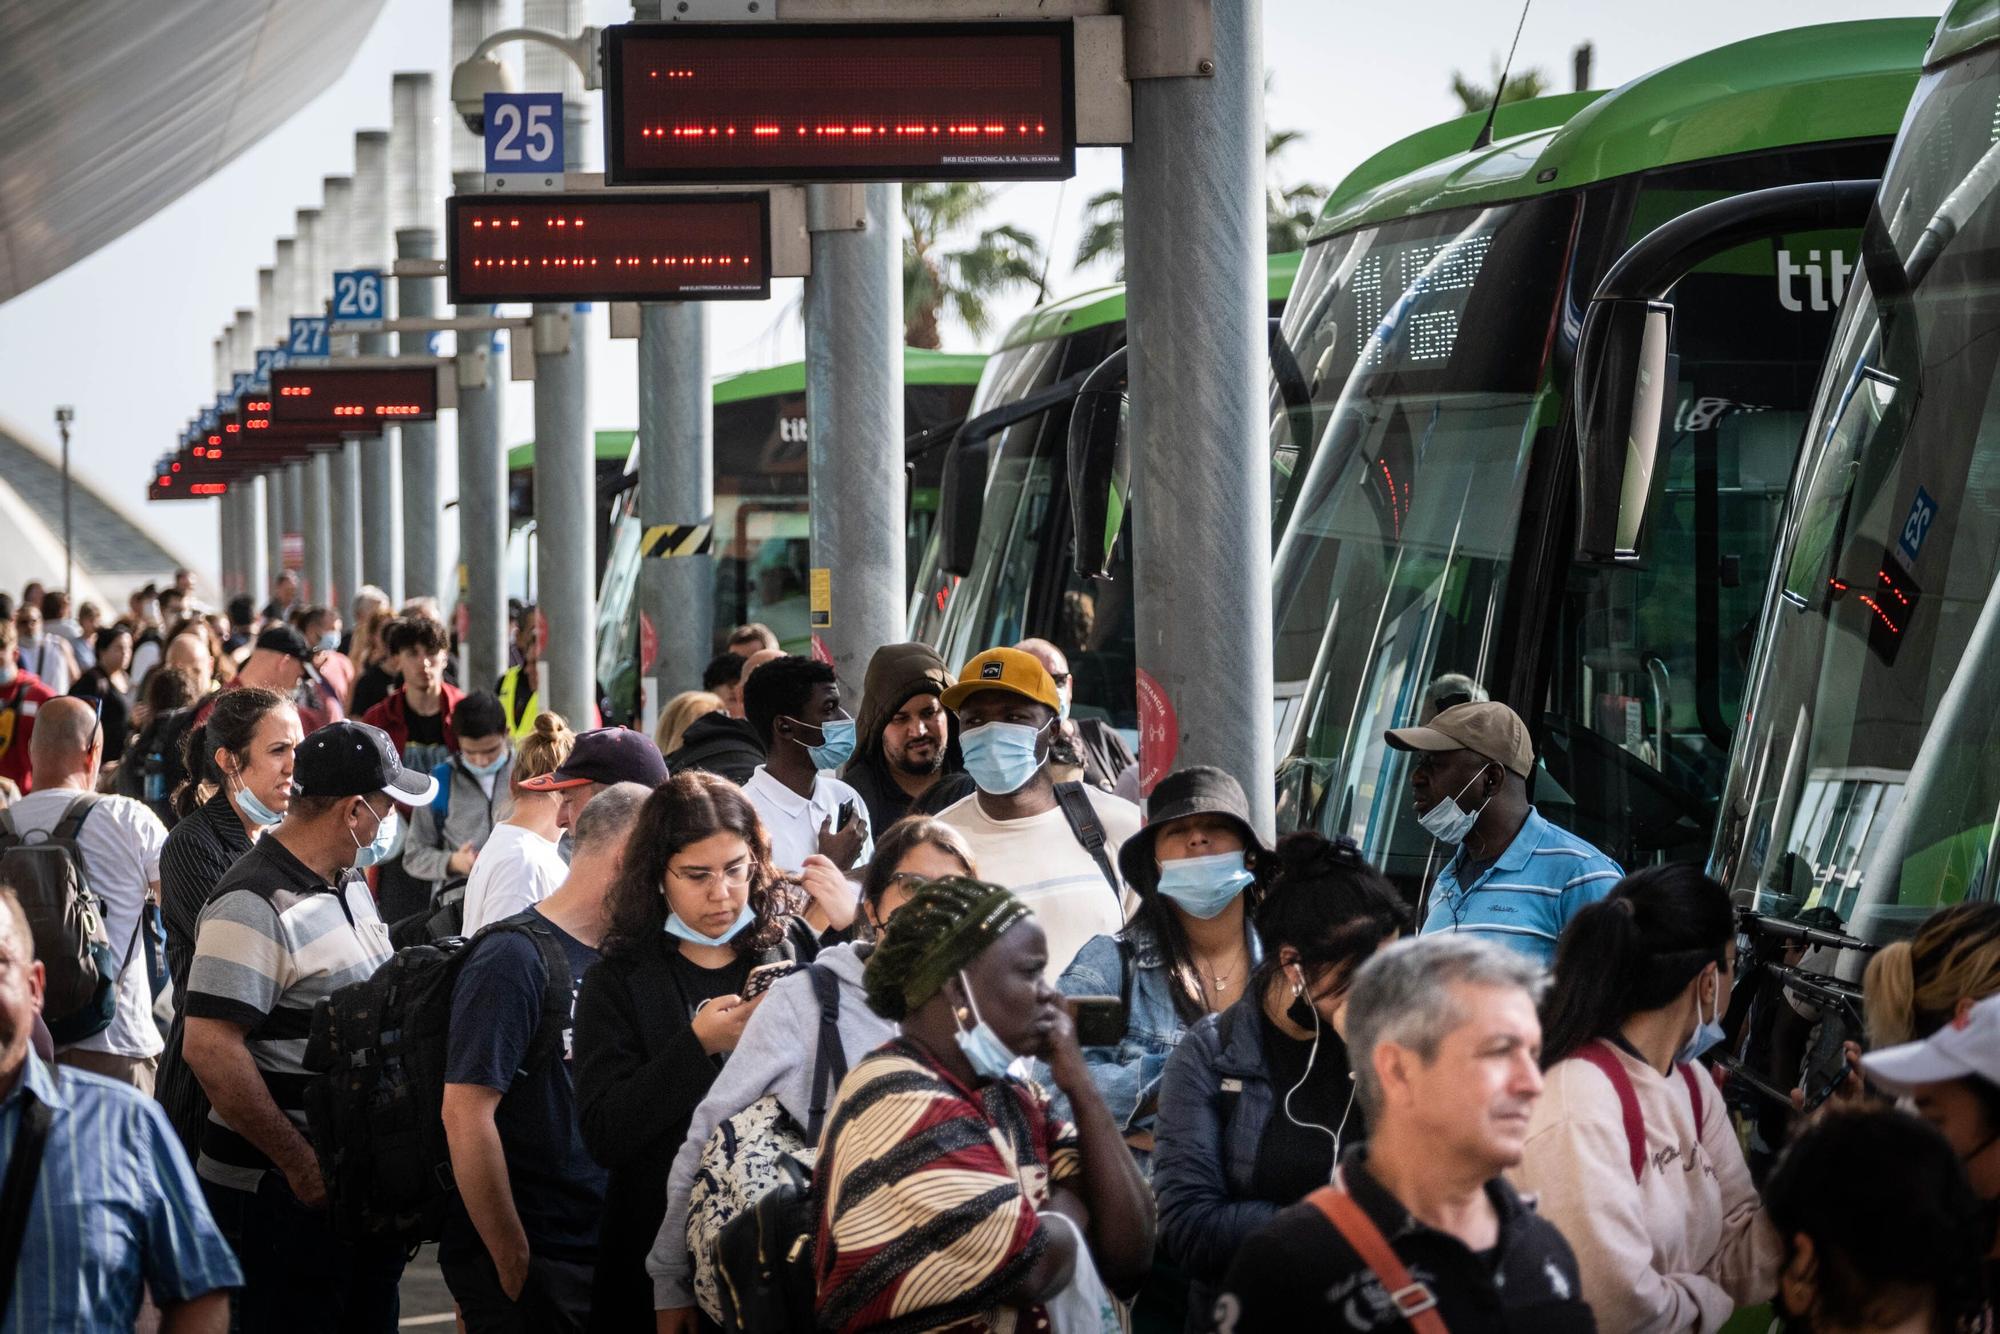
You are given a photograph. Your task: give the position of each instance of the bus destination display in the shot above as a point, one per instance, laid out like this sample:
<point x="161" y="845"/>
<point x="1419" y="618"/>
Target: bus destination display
<point x="361" y="399"/>
<point x="856" y="102"/>
<point x="608" y="247"/>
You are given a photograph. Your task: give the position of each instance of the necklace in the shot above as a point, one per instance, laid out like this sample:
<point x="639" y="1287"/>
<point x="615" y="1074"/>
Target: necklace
<point x="1219" y="979"/>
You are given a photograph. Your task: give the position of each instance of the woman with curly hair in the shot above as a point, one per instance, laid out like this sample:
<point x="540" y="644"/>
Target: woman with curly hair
<point x="695" y="908"/>
<point x="950" y="1194"/>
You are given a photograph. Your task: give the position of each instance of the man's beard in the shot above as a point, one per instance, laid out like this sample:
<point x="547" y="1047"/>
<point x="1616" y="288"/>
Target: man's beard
<point x="920" y="769"/>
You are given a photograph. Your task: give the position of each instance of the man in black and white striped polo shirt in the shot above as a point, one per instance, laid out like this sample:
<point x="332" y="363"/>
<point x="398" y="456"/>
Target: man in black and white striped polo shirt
<point x="292" y="922"/>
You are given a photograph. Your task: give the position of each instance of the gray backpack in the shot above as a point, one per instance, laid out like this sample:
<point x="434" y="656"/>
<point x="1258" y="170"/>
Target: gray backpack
<point x="45" y="870"/>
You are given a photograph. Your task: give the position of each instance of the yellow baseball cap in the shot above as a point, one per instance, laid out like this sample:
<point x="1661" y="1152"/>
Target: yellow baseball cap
<point x="1007" y="669"/>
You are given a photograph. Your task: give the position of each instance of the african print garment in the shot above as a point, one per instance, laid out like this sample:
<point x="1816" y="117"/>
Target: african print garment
<point x="928" y="1192"/>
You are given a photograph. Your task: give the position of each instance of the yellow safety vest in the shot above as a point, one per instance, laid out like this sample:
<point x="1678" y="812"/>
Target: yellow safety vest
<point x="521" y="722"/>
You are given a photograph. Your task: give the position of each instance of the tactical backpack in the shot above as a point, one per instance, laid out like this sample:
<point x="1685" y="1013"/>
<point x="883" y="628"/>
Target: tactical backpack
<point x="375" y="1100"/>
<point x="80" y="973"/>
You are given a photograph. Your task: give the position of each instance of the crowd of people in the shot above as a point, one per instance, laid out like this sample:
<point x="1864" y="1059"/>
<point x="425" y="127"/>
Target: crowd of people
<point x="1016" y="1050"/>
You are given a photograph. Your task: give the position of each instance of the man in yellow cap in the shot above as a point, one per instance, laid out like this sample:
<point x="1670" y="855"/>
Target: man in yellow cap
<point x="1511" y="875"/>
<point x="1051" y="843"/>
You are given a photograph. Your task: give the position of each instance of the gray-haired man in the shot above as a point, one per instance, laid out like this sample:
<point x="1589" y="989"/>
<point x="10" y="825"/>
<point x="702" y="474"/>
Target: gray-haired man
<point x="1418" y="1225"/>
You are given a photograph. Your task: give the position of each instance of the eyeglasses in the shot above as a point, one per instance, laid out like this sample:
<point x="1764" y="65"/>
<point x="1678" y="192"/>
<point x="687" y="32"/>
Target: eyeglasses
<point x="909" y="879"/>
<point x="735" y="875"/>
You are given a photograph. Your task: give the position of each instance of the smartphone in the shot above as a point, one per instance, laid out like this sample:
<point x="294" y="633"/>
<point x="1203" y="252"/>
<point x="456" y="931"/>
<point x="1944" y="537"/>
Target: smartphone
<point x="764" y="975"/>
<point x="847" y="814"/>
<point x="1100" y="1020"/>
<point x="1832" y="1086"/>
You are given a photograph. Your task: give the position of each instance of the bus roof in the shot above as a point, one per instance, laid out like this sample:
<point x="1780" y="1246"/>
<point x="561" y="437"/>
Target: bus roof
<point x="920" y="366"/>
<point x="1106" y="305"/>
<point x="1820" y="84"/>
<point x="1965" y="27"/>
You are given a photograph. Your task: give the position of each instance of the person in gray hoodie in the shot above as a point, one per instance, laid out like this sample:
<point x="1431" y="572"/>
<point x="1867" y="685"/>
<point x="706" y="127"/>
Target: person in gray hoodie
<point x="771" y="1058"/>
<point x="473" y="795"/>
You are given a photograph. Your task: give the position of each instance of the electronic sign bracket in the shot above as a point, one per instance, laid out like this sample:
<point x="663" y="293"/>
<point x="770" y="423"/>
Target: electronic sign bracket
<point x="551" y="332"/>
<point x="836" y="207"/>
<point x="1170" y="39"/>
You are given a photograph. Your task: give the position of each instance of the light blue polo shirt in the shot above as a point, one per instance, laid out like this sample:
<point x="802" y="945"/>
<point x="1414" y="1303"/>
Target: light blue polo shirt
<point x="1524" y="899"/>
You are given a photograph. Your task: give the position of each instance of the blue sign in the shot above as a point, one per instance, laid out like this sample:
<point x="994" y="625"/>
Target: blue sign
<point x="239" y="383"/>
<point x="308" y="336"/>
<point x="357" y="294"/>
<point x="1918" y="526"/>
<point x="524" y="133"/>
<point x="209" y="421"/>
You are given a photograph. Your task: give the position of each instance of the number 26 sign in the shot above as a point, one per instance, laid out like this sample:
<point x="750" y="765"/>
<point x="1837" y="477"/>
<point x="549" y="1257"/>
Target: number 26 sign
<point x="524" y="139"/>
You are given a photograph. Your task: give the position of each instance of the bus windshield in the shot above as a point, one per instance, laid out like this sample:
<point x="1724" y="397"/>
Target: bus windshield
<point x="1421" y="345"/>
<point x="1866" y="775"/>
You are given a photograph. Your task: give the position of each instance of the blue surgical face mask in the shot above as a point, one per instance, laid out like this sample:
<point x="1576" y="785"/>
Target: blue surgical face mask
<point x="329" y="641"/>
<point x="373" y="854"/>
<point x="1204" y="886"/>
<point x="836" y="745"/>
<point x="1707" y="1032"/>
<point x="682" y="931"/>
<point x="989" y="1056"/>
<point x="1001" y="757"/>
<point x="255" y="811"/>
<point x="1449" y="822"/>
<point x="488" y="769"/>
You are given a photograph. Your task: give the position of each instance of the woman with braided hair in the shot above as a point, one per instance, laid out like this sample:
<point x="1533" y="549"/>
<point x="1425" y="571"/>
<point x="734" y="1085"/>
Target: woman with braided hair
<point x="950" y="1196"/>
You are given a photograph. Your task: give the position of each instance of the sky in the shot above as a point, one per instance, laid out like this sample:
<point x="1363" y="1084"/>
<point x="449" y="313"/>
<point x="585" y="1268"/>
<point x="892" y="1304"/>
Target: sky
<point x="1352" y="77"/>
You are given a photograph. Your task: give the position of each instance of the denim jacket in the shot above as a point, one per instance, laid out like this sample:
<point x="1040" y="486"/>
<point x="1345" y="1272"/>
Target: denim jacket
<point x="1128" y="1074"/>
<point x="1215" y="1100"/>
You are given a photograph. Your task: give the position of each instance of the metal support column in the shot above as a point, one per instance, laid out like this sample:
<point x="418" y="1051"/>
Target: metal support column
<point x="565" y="460"/>
<point x="295" y="519"/>
<point x="344" y="469"/>
<point x="369" y="245"/>
<point x="318" y="529"/>
<point x="412" y="213"/>
<point x="482" y="462"/>
<point x="274" y="519"/>
<point x="1194" y="185"/>
<point x="854" y="401"/>
<point x="677" y="489"/>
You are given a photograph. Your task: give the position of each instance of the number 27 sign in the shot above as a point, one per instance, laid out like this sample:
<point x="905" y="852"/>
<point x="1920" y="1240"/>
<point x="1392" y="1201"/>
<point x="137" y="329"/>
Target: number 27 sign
<point x="524" y="139"/>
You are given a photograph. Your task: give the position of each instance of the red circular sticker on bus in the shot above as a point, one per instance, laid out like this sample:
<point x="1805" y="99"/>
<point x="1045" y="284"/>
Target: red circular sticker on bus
<point x="1159" y="732"/>
<point x="820" y="652"/>
<point x="649" y="643"/>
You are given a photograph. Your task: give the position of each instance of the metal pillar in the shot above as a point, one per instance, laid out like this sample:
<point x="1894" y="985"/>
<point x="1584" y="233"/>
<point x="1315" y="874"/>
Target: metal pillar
<point x="228" y="549"/>
<point x="482" y="462"/>
<point x="854" y="400"/>
<point x="274" y="519"/>
<point x="412" y="212"/>
<point x="369" y="246"/>
<point x="344" y="467"/>
<point x="677" y="487"/>
<point x="1201" y="505"/>
<point x="565" y="462"/>
<point x="318" y="529"/>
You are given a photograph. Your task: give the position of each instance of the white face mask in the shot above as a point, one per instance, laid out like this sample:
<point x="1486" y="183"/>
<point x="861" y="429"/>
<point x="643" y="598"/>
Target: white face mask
<point x="1449" y="822"/>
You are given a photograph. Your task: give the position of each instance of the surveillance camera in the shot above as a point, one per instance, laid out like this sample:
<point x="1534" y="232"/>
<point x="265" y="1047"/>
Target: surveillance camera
<point x="471" y="80"/>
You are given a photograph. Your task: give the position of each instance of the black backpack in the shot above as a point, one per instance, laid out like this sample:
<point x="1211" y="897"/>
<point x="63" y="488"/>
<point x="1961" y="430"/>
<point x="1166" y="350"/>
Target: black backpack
<point x="47" y="872"/>
<point x="375" y="1103"/>
<point x="765" y="1253"/>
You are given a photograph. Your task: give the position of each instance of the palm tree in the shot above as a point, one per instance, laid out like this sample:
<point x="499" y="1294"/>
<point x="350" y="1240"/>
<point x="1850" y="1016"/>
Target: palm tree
<point x="937" y="280"/>
<point x="1518" y="88"/>
<point x="1289" y="210"/>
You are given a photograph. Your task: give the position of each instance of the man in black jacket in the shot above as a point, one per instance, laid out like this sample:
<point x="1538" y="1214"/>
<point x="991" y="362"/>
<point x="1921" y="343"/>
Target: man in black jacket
<point x="1419" y="1225"/>
<point x="904" y="760"/>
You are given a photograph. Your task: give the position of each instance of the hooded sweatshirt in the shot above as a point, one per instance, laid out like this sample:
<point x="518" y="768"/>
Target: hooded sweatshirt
<point x="895" y="674"/>
<point x="776" y="1054"/>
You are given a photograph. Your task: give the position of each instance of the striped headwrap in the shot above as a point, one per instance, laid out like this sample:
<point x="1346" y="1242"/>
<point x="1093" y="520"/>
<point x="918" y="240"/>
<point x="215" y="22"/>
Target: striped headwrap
<point x="945" y="926"/>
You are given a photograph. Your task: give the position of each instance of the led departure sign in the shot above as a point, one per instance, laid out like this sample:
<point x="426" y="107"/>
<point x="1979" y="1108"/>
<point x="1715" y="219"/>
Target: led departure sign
<point x="849" y="101"/>
<point x="361" y="399"/>
<point x="608" y="247"/>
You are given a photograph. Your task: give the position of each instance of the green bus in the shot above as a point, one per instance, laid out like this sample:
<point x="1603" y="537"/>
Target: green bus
<point x="1865" y="777"/>
<point x="1445" y="536"/>
<point x="999" y="569"/>
<point x="761" y="533"/>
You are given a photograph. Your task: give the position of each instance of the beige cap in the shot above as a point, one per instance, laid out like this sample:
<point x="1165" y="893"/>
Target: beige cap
<point x="1487" y="729"/>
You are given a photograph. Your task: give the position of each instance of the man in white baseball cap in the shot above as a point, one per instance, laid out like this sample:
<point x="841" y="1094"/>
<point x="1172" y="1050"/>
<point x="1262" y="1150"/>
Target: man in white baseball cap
<point x="1953" y="1077"/>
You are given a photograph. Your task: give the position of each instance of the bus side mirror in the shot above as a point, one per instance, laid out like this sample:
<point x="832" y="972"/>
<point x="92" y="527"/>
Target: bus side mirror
<point x="1624" y="393"/>
<point x="1100" y="466"/>
<point x="961" y="497"/>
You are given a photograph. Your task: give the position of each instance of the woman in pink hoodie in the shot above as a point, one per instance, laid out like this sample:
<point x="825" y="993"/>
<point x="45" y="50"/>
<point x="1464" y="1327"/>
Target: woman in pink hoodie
<point x="1630" y="1149"/>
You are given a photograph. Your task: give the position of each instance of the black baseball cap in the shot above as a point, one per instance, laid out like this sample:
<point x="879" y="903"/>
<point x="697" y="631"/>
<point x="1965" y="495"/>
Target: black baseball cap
<point x="284" y="639"/>
<point x="605" y="755"/>
<point x="352" y="759"/>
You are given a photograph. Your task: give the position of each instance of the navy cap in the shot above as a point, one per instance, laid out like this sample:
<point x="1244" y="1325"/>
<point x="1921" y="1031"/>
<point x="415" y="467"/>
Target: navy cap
<point x="352" y="759"/>
<point x="284" y="639"/>
<point x="606" y="755"/>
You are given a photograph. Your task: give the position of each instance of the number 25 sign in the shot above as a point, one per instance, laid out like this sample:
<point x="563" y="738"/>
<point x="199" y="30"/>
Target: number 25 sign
<point x="524" y="139"/>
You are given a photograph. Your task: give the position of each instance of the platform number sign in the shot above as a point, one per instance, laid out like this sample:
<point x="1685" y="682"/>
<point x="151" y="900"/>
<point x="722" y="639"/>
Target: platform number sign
<point x="524" y="134"/>
<point x="268" y="359"/>
<point x="308" y="336"/>
<point x="239" y="384"/>
<point x="1917" y="526"/>
<point x="357" y="294"/>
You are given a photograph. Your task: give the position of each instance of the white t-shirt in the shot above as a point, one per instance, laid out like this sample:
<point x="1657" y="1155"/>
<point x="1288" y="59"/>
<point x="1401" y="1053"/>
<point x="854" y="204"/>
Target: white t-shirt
<point x="1040" y="859"/>
<point x="517" y="868"/>
<point x="46" y="659"/>
<point x="793" y="821"/>
<point x="121" y="842"/>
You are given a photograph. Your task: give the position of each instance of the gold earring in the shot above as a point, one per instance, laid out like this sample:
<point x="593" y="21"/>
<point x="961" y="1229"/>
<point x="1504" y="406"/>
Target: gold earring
<point x="964" y="1015"/>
